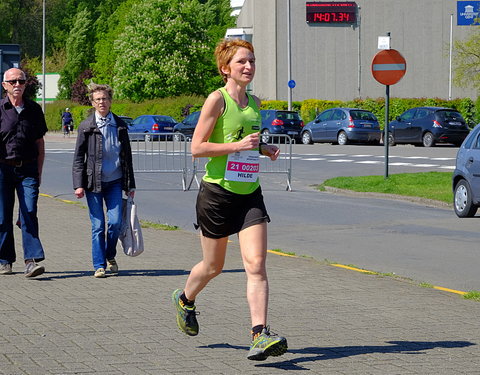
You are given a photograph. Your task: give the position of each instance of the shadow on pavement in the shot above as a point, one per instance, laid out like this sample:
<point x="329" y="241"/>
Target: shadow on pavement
<point x="326" y="353"/>
<point x="70" y="274"/>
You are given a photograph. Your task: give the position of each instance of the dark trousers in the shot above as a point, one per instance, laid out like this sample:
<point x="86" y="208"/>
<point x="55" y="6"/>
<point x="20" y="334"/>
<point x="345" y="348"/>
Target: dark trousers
<point x="24" y="180"/>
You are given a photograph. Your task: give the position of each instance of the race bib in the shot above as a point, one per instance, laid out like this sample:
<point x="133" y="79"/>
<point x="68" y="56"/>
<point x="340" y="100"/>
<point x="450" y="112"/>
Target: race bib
<point x="242" y="166"/>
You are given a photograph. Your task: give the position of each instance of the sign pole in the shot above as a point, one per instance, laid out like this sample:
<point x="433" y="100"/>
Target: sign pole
<point x="388" y="67"/>
<point x="385" y="137"/>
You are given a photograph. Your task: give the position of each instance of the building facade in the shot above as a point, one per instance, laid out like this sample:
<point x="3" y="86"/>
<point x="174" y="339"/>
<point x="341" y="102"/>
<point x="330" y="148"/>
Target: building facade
<point x="332" y="61"/>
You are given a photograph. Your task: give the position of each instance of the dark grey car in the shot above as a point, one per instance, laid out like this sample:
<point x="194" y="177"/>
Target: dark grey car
<point x="280" y="122"/>
<point x="466" y="176"/>
<point x="186" y="126"/>
<point x="427" y="126"/>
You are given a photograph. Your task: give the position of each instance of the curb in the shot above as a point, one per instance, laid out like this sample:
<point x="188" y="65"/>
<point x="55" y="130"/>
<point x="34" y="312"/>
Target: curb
<point x="417" y="200"/>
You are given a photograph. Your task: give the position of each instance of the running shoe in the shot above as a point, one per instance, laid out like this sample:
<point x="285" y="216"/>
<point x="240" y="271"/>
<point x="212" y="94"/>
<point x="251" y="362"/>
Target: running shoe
<point x="267" y="344"/>
<point x="186" y="316"/>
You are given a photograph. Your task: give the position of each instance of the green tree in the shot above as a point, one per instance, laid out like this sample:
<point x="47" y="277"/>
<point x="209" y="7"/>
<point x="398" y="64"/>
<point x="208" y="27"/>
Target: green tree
<point x="21" y="23"/>
<point x="466" y="61"/>
<point x="218" y="20"/>
<point x="53" y="63"/>
<point x="109" y="25"/>
<point x="165" y="52"/>
<point x="79" y="52"/>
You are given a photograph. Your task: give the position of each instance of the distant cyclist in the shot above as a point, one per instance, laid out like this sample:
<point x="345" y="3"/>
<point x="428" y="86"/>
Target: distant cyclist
<point x="67" y="122"/>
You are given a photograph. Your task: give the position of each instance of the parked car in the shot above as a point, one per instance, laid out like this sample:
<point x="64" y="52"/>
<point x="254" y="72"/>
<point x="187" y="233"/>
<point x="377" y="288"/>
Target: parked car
<point x="150" y="125"/>
<point x="466" y="176"/>
<point x="186" y="126"/>
<point x="342" y="126"/>
<point x="127" y="120"/>
<point x="427" y="126"/>
<point x="280" y="122"/>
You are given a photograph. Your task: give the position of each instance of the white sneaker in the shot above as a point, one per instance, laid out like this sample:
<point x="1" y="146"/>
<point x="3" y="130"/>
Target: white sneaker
<point x="5" y="269"/>
<point x="100" y="272"/>
<point x="32" y="269"/>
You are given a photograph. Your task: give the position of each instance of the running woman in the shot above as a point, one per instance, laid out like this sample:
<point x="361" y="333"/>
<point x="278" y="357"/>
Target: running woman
<point x="230" y="199"/>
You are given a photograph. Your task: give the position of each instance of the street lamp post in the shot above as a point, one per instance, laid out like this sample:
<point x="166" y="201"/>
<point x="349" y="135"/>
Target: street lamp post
<point x="43" y="57"/>
<point x="289" y="57"/>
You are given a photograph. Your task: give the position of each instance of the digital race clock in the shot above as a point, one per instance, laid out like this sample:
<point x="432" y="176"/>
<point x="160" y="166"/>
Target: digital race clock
<point x="321" y="12"/>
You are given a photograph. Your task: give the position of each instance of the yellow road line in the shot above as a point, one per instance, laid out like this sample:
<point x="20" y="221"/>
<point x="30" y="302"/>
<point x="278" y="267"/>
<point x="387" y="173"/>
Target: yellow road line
<point x="450" y="290"/>
<point x="376" y="273"/>
<point x="353" y="268"/>
<point x="282" y="254"/>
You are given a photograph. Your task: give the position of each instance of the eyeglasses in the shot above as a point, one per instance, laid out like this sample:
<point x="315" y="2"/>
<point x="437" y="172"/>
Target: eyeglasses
<point x="14" y="81"/>
<point x="99" y="100"/>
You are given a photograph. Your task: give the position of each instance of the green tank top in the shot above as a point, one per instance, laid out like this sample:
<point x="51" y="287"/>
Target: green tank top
<point x="233" y="125"/>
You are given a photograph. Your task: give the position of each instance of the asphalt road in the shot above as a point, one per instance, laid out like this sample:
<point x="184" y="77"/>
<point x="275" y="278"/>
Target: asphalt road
<point x="427" y="244"/>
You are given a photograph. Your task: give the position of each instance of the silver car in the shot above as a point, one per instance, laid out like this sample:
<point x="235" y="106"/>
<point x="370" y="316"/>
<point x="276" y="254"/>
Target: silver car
<point x="466" y="176"/>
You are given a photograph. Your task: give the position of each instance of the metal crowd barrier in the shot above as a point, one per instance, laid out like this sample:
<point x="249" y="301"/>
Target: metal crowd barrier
<point x="170" y="153"/>
<point x="160" y="153"/>
<point x="283" y="165"/>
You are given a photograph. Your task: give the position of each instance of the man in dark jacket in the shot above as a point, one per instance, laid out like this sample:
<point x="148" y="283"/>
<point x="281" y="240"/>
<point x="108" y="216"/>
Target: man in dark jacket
<point x="22" y="152"/>
<point x="102" y="168"/>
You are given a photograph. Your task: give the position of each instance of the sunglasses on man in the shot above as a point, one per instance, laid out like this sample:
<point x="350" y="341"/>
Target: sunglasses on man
<point x="19" y="81"/>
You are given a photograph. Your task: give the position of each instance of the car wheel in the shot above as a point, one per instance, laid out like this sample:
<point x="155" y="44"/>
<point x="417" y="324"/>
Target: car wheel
<point x="177" y="137"/>
<point x="462" y="200"/>
<point x="306" y="138"/>
<point x="428" y="140"/>
<point x="391" y="140"/>
<point x="342" y="138"/>
<point x="265" y="136"/>
<point x="147" y="137"/>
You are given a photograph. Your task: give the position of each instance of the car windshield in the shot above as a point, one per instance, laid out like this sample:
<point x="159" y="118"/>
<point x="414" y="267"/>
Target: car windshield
<point x="450" y="116"/>
<point x="192" y="117"/>
<point x="127" y="120"/>
<point x="363" y="115"/>
<point x="165" y="119"/>
<point x="288" y="116"/>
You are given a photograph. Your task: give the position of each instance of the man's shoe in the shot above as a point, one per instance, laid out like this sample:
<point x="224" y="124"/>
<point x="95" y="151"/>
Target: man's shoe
<point x="5" y="269"/>
<point x="32" y="269"/>
<point x="267" y="344"/>
<point x="186" y="316"/>
<point x="100" y="272"/>
<point x="112" y="265"/>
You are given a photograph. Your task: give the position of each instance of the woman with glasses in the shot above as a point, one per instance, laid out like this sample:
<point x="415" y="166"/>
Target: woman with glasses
<point x="230" y="199"/>
<point x="102" y="169"/>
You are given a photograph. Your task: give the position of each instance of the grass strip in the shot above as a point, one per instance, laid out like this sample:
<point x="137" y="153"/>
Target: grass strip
<point x="430" y="185"/>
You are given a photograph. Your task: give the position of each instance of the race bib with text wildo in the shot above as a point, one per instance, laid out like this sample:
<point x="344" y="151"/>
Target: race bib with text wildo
<point x="242" y="166"/>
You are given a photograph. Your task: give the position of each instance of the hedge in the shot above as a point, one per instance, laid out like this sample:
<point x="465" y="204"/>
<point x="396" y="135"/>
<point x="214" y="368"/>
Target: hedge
<point x="179" y="107"/>
<point x="174" y="107"/>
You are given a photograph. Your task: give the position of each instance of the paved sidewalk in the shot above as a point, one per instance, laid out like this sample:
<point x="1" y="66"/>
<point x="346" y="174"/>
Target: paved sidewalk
<point x="337" y="321"/>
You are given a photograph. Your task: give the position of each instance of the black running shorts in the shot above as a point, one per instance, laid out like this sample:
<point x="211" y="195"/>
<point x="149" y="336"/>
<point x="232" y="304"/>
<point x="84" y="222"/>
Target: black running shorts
<point x="221" y="213"/>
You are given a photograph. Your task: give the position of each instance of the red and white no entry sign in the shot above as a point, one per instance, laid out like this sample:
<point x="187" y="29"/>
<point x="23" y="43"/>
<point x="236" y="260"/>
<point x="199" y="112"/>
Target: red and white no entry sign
<point x="388" y="66"/>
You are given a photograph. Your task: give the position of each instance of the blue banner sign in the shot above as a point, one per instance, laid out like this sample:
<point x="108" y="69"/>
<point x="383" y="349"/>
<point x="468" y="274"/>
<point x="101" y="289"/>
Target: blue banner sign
<point x="468" y="13"/>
